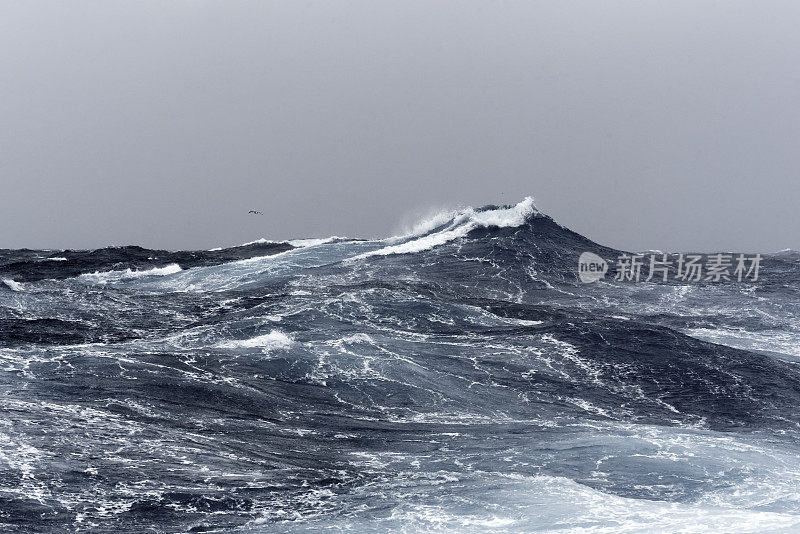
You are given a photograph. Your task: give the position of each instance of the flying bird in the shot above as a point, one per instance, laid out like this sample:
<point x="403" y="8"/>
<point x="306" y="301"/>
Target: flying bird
<point x="254" y="212"/>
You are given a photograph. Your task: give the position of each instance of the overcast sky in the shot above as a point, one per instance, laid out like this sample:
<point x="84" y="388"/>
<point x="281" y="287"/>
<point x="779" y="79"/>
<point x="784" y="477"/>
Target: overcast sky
<point x="670" y="125"/>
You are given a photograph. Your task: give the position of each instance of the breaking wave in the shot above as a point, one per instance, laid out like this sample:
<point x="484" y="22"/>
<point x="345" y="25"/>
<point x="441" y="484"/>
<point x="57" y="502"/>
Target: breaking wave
<point x="129" y="274"/>
<point x="12" y="285"/>
<point x="446" y="227"/>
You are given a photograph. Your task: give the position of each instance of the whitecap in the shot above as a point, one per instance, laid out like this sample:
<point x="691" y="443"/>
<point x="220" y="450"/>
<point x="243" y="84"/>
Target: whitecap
<point x="261" y="242"/>
<point x="129" y="274"/>
<point x="461" y="223"/>
<point x="302" y="243"/>
<point x="296" y="243"/>
<point x="274" y="340"/>
<point x="12" y="285"/>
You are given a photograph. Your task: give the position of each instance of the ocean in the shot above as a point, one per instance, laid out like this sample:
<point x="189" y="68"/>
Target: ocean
<point x="458" y="378"/>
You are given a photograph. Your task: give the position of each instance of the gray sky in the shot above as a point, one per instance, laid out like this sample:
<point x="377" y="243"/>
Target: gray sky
<point x="671" y="125"/>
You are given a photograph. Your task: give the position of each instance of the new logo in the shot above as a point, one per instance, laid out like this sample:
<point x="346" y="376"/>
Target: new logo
<point x="591" y="267"/>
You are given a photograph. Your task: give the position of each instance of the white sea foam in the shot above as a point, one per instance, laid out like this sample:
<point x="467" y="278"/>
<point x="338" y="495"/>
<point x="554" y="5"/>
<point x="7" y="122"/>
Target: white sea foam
<point x="775" y="342"/>
<point x="297" y="243"/>
<point x="357" y="338"/>
<point x="274" y="340"/>
<point x="12" y="285"/>
<point x="429" y="224"/>
<point x="301" y="243"/>
<point x="129" y="274"/>
<point x="524" y="322"/>
<point x="461" y="223"/>
<point x="542" y="503"/>
<point x="259" y="242"/>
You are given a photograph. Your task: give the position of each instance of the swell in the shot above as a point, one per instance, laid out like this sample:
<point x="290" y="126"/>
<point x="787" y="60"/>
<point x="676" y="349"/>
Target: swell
<point x="31" y="266"/>
<point x="468" y="385"/>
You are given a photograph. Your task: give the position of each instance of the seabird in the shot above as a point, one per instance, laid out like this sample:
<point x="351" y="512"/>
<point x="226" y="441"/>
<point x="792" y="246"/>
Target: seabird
<point x="254" y="212"/>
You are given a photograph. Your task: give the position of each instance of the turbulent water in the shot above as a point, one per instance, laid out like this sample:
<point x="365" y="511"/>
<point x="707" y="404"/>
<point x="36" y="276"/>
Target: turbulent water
<point x="458" y="378"/>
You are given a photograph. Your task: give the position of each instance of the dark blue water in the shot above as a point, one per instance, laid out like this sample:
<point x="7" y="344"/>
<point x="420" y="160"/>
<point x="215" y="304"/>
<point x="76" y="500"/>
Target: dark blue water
<point x="459" y="378"/>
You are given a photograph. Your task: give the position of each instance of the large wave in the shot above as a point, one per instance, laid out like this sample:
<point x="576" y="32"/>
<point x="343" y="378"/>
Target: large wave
<point x="456" y="378"/>
<point x="446" y="227"/>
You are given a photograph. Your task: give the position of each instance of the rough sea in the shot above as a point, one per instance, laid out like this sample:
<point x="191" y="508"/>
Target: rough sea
<point x="459" y="378"/>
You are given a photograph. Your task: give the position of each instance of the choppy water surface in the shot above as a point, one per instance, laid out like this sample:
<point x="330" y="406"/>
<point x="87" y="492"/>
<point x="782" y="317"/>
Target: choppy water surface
<point x="458" y="378"/>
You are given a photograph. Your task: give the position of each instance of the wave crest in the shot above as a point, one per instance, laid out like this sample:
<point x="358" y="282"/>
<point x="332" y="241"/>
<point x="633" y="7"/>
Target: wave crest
<point x="443" y="228"/>
<point x="13" y="285"/>
<point x="129" y="274"/>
